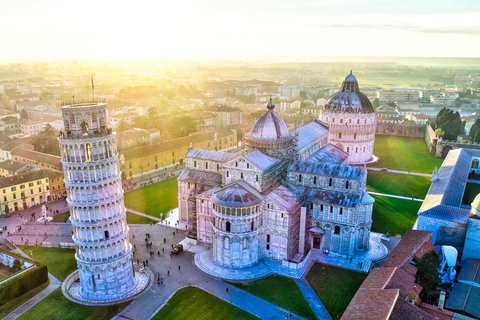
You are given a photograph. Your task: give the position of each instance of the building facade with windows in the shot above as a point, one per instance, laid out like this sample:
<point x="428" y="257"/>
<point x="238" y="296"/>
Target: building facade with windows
<point x="288" y="193"/>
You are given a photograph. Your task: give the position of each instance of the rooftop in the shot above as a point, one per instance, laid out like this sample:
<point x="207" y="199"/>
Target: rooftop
<point x="38" y="156"/>
<point x="236" y="195"/>
<point x="210" y="155"/>
<point x="325" y="169"/>
<point x="261" y="160"/>
<point x="329" y="154"/>
<point x="23" y="178"/>
<point x="310" y="132"/>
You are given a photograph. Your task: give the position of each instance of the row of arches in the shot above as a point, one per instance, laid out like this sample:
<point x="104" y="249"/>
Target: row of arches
<point x="237" y="225"/>
<point x="100" y="232"/>
<point x="103" y="252"/>
<point x="91" y="151"/>
<point x="97" y="213"/>
<point x="99" y="192"/>
<point x="236" y="211"/>
<point x="322" y="181"/>
<point x="87" y="174"/>
<point x="73" y="120"/>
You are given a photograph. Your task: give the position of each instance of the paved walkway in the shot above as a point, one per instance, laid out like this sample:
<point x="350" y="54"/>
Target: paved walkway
<point x="312" y="299"/>
<point x="394" y="196"/>
<point x="401" y="172"/>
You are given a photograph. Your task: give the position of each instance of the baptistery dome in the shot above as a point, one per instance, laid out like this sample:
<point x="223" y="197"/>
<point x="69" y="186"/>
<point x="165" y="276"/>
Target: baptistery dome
<point x="235" y="197"/>
<point x="349" y="98"/>
<point x="351" y="120"/>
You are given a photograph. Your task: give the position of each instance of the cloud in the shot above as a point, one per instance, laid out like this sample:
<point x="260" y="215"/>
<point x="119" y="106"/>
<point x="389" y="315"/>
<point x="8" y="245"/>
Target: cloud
<point x="454" y="29"/>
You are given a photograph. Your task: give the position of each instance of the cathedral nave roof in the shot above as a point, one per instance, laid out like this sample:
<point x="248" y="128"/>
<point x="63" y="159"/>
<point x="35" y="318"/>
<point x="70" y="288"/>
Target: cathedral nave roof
<point x="329" y="154"/>
<point x="195" y="176"/>
<point x="210" y="155"/>
<point x="285" y="198"/>
<point x="335" y="198"/>
<point x="310" y="132"/>
<point x="260" y="159"/>
<point x="347" y="172"/>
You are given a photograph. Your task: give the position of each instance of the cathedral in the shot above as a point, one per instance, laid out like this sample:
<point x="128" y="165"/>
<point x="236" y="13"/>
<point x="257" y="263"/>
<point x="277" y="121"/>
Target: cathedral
<point x="289" y="192"/>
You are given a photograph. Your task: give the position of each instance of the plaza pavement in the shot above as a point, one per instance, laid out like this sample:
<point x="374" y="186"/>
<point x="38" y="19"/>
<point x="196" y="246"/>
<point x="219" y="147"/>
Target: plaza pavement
<point x="394" y="196"/>
<point x="399" y="171"/>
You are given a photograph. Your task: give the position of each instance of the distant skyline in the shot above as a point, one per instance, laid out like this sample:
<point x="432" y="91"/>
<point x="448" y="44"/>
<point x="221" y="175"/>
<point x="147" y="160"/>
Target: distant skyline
<point x="147" y="29"/>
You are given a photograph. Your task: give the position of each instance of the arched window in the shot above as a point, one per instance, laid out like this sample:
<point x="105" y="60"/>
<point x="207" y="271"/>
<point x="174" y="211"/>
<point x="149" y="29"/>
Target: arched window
<point x="330" y="181"/>
<point x="256" y="178"/>
<point x="346" y="184"/>
<point x="358" y="121"/>
<point x="331" y="209"/>
<point x="339" y="135"/>
<point x="241" y="175"/>
<point x="206" y="164"/>
<point x="89" y="152"/>
<point x="354" y="136"/>
<point x="227" y="174"/>
<point x="227" y="226"/>
<point x="315" y="180"/>
<point x="348" y="149"/>
<point x="268" y="237"/>
<point x="341" y="120"/>
<point x="341" y="210"/>
<point x="252" y="225"/>
<point x="336" y="230"/>
<point x="248" y="165"/>
<point x="299" y="178"/>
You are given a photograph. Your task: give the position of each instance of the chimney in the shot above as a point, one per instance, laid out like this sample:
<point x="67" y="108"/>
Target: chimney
<point x="441" y="300"/>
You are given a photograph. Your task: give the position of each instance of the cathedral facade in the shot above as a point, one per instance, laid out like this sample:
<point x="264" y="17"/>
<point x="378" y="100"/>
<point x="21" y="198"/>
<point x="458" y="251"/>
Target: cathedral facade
<point x="288" y="193"/>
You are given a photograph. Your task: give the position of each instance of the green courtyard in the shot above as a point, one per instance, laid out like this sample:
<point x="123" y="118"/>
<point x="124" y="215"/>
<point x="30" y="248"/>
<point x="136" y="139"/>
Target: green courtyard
<point x="155" y="199"/>
<point x="404" y="153"/>
<point x="281" y="291"/>
<point x="193" y="303"/>
<point x="56" y="306"/>
<point x="335" y="287"/>
<point x="59" y="261"/>
<point x="398" y="184"/>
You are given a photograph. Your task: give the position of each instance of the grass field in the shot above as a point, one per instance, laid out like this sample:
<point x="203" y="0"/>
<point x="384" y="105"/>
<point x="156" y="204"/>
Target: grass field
<point x="193" y="303"/>
<point x="17" y="302"/>
<point x="398" y="184"/>
<point x="133" y="218"/>
<point x="403" y="153"/>
<point x="393" y="215"/>
<point x="281" y="291"/>
<point x="2" y="276"/>
<point x="59" y="261"/>
<point x="154" y="199"/>
<point x="56" y="306"/>
<point x="335" y="287"/>
<point x="471" y="191"/>
<point x="63" y="217"/>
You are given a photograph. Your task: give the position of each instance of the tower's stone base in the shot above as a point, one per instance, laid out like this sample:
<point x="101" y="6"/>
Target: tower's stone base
<point x="71" y="288"/>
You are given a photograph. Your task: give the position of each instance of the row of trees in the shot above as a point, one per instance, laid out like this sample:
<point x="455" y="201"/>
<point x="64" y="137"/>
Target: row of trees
<point x="448" y="124"/>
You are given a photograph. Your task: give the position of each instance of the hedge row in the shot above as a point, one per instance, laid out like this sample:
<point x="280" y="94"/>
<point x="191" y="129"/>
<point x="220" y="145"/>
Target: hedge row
<point x="23" y="283"/>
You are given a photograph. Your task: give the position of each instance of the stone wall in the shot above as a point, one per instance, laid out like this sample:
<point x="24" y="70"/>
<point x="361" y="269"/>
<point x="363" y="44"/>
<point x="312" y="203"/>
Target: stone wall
<point x="444" y="232"/>
<point x="472" y="242"/>
<point x="401" y="129"/>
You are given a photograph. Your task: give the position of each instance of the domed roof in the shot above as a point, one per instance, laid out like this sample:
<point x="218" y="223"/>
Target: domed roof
<point x="349" y="98"/>
<point x="270" y="125"/>
<point x="235" y="196"/>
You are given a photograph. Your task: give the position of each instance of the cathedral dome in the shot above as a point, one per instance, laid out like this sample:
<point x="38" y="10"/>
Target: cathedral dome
<point x="349" y="99"/>
<point x="235" y="197"/>
<point x="270" y="125"/>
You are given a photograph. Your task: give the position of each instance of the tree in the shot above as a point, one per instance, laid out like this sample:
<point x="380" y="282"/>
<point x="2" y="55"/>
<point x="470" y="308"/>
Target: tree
<point x="23" y="114"/>
<point x="375" y="103"/>
<point x="428" y="273"/>
<point x="439" y="133"/>
<point x="17" y="265"/>
<point x="451" y="123"/>
<point x="303" y="95"/>
<point x="392" y="104"/>
<point x="123" y="126"/>
<point x="474" y="130"/>
<point x="46" y="141"/>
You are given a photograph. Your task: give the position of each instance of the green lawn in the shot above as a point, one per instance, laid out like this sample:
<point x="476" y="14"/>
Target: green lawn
<point x="56" y="306"/>
<point x="17" y="302"/>
<point x="471" y="191"/>
<point x="398" y="184"/>
<point x="281" y="291"/>
<point x="403" y="153"/>
<point x="154" y="199"/>
<point x="193" y="303"/>
<point x="133" y="218"/>
<point x="335" y="287"/>
<point x="63" y="217"/>
<point x="59" y="261"/>
<point x="2" y="276"/>
<point x="393" y="215"/>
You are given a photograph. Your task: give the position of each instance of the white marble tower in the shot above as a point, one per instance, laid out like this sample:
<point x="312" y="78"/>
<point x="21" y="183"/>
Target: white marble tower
<point x="95" y="197"/>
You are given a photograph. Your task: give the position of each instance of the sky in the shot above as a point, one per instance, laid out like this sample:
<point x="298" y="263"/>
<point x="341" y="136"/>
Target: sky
<point x="149" y="29"/>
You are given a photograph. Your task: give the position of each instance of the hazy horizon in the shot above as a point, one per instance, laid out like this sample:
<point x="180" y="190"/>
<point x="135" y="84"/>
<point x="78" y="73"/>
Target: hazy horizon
<point x="147" y="29"/>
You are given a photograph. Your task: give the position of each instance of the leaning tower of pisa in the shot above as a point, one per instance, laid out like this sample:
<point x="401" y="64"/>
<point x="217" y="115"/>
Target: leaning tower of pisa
<point x="95" y="197"/>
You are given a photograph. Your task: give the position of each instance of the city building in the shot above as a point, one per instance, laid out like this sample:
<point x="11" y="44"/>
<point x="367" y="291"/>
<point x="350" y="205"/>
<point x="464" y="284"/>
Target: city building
<point x="30" y="127"/>
<point x="146" y="159"/>
<point x="37" y="158"/>
<point x="128" y="118"/>
<point x="289" y="91"/>
<point x="352" y="122"/>
<point x="226" y="116"/>
<point x="24" y="190"/>
<point x="287" y="194"/>
<point x="290" y="104"/>
<point x="95" y="198"/>
<point x="395" y="96"/>
<point x="12" y="168"/>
